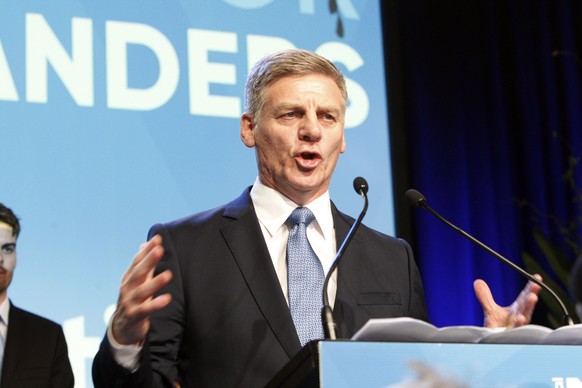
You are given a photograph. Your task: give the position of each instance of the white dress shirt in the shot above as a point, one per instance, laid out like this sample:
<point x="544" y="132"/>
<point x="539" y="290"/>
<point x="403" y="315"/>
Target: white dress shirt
<point x="273" y="209"/>
<point x="4" y="309"/>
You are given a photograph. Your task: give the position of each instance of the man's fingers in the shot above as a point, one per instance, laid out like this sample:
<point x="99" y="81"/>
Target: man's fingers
<point x="527" y="307"/>
<point x="144" y="310"/>
<point x="156" y="304"/>
<point x="147" y="289"/>
<point x="136" y="301"/>
<point x="144" y="249"/>
<point x="520" y="311"/>
<point x="530" y="288"/>
<point x="484" y="295"/>
<point x="132" y="297"/>
<point x="144" y="262"/>
<point x="136" y="305"/>
<point x="534" y="287"/>
<point x="525" y="303"/>
<point x="130" y="325"/>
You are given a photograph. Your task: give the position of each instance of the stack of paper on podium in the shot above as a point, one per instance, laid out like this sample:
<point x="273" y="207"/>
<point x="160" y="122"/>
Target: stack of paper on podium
<point x="413" y="330"/>
<point x="408" y="353"/>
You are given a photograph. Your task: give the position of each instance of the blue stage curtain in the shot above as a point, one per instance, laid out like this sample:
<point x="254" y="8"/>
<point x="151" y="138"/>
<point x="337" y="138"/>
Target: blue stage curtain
<point x="491" y="119"/>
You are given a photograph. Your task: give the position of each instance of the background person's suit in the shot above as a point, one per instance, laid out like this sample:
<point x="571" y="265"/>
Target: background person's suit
<point x="35" y="355"/>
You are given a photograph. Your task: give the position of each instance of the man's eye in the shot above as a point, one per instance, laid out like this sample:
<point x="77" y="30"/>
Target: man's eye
<point x="8" y="249"/>
<point x="289" y="114"/>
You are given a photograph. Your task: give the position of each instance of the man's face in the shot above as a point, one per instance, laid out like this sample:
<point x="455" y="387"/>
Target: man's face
<point x="7" y="257"/>
<point x="298" y="135"/>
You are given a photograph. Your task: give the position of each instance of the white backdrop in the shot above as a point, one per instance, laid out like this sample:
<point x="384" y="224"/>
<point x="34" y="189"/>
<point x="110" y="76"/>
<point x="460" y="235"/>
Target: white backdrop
<point x="115" y="115"/>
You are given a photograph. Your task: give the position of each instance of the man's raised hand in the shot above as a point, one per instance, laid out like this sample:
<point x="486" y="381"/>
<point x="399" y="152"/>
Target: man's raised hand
<point x="131" y="320"/>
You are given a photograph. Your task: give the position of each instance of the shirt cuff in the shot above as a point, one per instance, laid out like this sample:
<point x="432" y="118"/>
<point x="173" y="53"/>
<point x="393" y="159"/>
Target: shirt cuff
<point x="125" y="355"/>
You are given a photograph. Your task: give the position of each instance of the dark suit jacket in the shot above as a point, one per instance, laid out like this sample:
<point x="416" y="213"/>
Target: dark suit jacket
<point x="229" y="324"/>
<point x="36" y="354"/>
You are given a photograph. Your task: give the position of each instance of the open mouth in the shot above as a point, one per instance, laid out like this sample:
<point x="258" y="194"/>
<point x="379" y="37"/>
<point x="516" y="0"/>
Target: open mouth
<point x="309" y="155"/>
<point x="308" y="160"/>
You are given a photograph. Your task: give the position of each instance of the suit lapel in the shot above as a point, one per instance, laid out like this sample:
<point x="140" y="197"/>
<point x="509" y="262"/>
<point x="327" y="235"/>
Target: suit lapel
<point x="246" y="242"/>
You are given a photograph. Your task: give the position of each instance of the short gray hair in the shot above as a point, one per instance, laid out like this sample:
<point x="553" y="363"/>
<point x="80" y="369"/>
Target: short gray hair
<point x="287" y="63"/>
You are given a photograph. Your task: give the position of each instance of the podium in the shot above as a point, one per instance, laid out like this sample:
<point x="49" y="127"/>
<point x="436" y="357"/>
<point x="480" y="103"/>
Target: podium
<point x="348" y="363"/>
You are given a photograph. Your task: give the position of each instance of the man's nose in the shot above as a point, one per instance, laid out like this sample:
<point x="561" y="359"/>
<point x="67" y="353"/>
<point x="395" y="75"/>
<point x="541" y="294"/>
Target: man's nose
<point x="310" y="129"/>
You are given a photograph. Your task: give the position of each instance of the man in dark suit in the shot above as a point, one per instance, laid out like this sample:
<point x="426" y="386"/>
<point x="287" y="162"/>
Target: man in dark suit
<point x="205" y="301"/>
<point x="34" y="349"/>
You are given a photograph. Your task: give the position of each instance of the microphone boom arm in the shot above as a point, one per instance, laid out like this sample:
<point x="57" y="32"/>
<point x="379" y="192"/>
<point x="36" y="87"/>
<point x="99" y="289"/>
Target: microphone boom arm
<point x="329" y="326"/>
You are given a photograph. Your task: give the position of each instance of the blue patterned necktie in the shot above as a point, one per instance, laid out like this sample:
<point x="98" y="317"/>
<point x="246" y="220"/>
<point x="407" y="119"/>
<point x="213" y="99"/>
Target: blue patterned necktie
<point x="305" y="278"/>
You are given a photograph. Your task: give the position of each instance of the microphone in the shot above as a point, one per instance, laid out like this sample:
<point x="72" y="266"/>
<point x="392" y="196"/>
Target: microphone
<point x="361" y="186"/>
<point x="416" y="199"/>
<point x="329" y="326"/>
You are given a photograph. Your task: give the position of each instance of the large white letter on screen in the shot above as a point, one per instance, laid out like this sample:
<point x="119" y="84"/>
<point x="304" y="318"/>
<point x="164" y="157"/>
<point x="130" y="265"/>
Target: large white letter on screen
<point x="7" y="87"/>
<point x="43" y="47"/>
<point x="202" y="73"/>
<point x="119" y="95"/>
<point x="81" y="347"/>
<point x="260" y="45"/>
<point x="359" y="103"/>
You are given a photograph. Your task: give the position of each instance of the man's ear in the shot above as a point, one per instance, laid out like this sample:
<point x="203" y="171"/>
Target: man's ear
<point x="247" y="130"/>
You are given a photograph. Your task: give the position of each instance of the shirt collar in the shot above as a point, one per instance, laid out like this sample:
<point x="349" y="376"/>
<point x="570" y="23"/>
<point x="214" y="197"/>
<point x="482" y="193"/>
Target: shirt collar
<point x="273" y="209"/>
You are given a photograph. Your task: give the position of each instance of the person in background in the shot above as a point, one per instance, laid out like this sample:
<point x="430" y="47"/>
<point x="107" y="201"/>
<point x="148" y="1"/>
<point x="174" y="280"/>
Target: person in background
<point x="33" y="350"/>
<point x="215" y="299"/>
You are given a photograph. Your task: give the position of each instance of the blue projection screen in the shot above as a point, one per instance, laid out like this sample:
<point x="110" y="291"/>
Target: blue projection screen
<point x="116" y="115"/>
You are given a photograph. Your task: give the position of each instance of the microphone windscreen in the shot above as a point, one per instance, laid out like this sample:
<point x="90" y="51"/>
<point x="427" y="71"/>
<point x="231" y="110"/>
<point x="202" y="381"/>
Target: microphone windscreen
<point x="415" y="199"/>
<point x="360" y="185"/>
